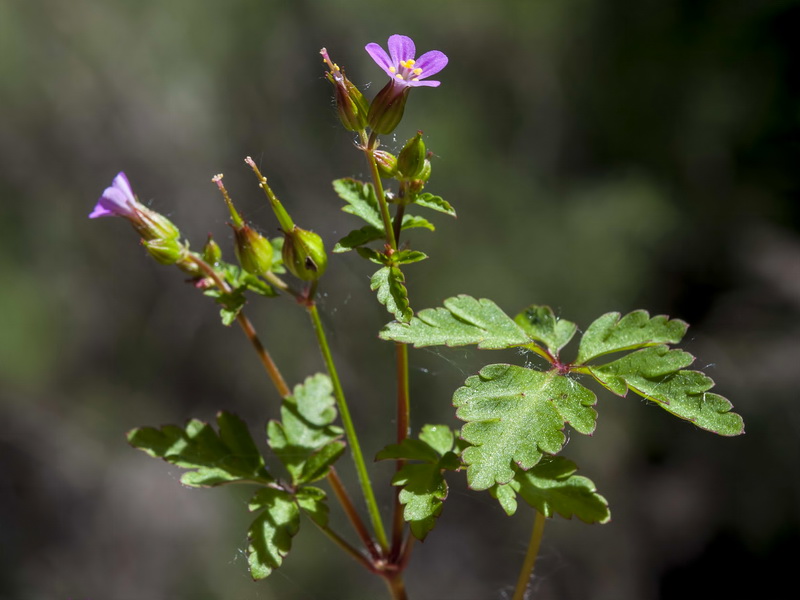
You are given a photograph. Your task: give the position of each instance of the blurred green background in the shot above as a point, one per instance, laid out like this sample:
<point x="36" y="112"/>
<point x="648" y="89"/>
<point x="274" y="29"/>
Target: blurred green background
<point x="603" y="155"/>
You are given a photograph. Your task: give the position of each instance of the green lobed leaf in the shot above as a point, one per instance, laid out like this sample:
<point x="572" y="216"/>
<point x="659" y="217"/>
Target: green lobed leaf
<point x="361" y="200"/>
<point x="541" y="324"/>
<point x="370" y="254"/>
<point x="610" y="333"/>
<point x="439" y="437"/>
<point x="358" y="237"/>
<point x="319" y="463"/>
<point x="424" y="487"/>
<point x="370" y="233"/>
<point x="409" y="449"/>
<point x="551" y="487"/>
<point x="313" y="500"/>
<point x="414" y="221"/>
<point x="229" y="456"/>
<point x="463" y="320"/>
<point x="516" y="415"/>
<point x="424" y="491"/>
<point x="388" y="282"/>
<point x="655" y="373"/>
<point x="305" y="439"/>
<point x="406" y="257"/>
<point x="270" y="534"/>
<point x="506" y="495"/>
<point x="435" y="203"/>
<point x="240" y="281"/>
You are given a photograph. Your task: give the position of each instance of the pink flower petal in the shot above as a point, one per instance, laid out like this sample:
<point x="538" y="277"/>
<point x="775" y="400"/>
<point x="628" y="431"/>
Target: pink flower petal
<point x="431" y="63"/>
<point x="401" y="48"/>
<point x="379" y="55"/>
<point x="433" y="83"/>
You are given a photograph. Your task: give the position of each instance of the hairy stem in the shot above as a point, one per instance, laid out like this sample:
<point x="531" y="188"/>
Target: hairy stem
<point x="266" y="359"/>
<point x="403" y="401"/>
<point x="352" y="514"/>
<point x="526" y="571"/>
<point x="376" y="181"/>
<point x="403" y="422"/>
<point x="264" y="355"/>
<point x="347" y="422"/>
<point x="342" y="543"/>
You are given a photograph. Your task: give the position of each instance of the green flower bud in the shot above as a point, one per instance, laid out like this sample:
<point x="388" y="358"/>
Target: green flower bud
<point x="387" y="107"/>
<point x="253" y="250"/>
<point x="167" y="251"/>
<point x="412" y="157"/>
<point x="387" y="163"/>
<point x="304" y="254"/>
<point x="212" y="253"/>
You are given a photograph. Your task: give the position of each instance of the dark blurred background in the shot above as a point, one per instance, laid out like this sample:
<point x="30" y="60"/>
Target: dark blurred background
<point x="603" y="155"/>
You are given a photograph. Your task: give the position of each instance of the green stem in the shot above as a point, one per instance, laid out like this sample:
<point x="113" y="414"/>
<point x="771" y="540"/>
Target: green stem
<point x="347" y="421"/>
<point x="526" y="571"/>
<point x="381" y="195"/>
<point x="403" y="401"/>
<point x="283" y="217"/>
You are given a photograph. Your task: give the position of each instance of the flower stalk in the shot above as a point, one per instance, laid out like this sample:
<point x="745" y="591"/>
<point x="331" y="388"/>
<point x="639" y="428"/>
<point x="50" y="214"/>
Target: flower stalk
<point x="350" y="432"/>
<point x="529" y="562"/>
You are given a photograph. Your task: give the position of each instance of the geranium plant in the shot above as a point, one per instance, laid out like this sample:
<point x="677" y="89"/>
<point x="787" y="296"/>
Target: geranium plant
<point x="512" y="418"/>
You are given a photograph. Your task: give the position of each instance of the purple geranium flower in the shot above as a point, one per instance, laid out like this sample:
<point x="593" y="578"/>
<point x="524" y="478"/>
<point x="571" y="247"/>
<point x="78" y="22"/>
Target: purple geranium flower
<point x="401" y="66"/>
<point x="117" y="200"/>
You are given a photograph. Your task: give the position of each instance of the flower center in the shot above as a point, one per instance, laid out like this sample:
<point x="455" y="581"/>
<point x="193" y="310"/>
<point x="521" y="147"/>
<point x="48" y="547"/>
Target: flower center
<point x="405" y="71"/>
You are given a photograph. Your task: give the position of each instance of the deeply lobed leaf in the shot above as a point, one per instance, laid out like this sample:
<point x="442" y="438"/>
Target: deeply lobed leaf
<point x="270" y="534"/>
<point x="305" y="440"/>
<point x="656" y="373"/>
<point x="463" y="321"/>
<point x="551" y="487"/>
<point x="436" y="203"/>
<point x="424" y="487"/>
<point x="541" y="324"/>
<point x="389" y="282"/>
<point x="361" y="200"/>
<point x="240" y="282"/>
<point x="610" y="333"/>
<point x="516" y="415"/>
<point x="229" y="456"/>
<point x="313" y="500"/>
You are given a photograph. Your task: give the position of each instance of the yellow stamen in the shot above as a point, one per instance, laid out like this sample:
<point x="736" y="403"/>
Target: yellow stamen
<point x="417" y="71"/>
<point x="392" y="69"/>
<point x="400" y="77"/>
<point x="407" y="63"/>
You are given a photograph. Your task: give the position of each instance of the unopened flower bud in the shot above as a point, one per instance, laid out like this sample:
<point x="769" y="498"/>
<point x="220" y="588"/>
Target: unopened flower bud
<point x="304" y="254"/>
<point x="212" y="253"/>
<point x="167" y="251"/>
<point x="411" y="160"/>
<point x="387" y="163"/>
<point x="253" y="250"/>
<point x="387" y="107"/>
<point x="351" y="105"/>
